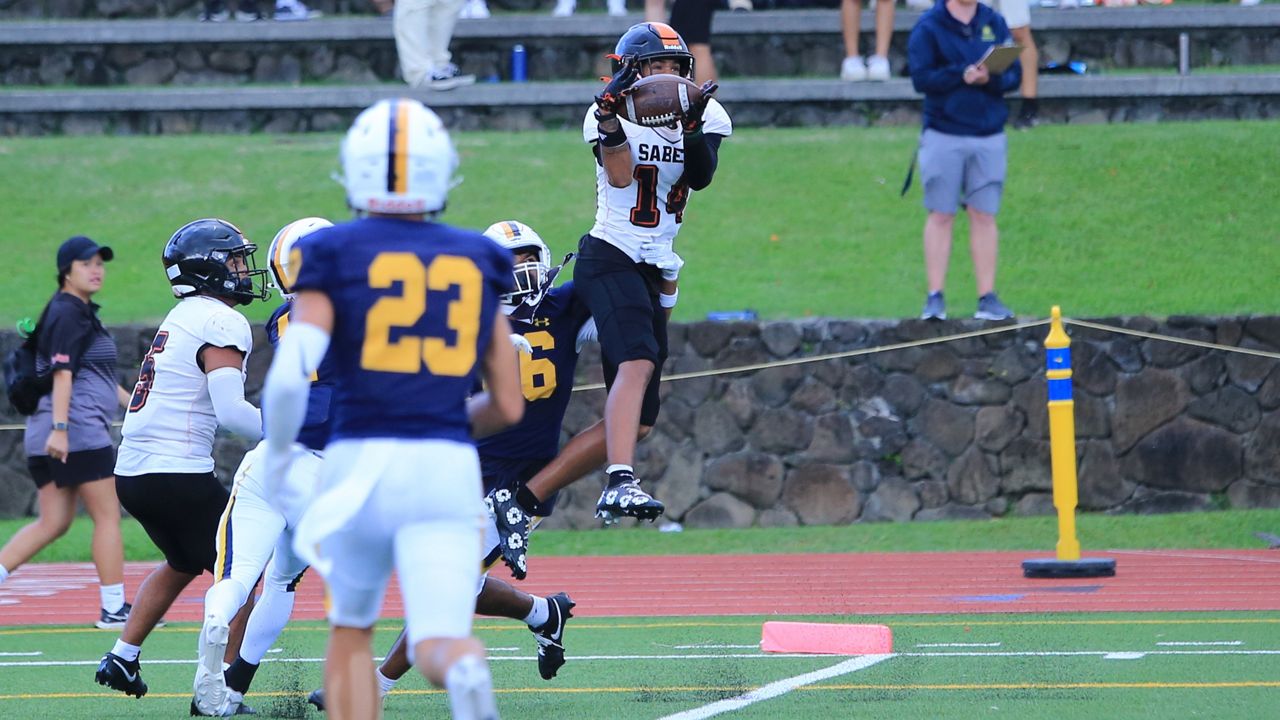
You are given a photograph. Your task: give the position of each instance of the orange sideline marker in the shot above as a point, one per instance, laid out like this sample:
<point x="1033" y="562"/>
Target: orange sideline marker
<point x="826" y="638"/>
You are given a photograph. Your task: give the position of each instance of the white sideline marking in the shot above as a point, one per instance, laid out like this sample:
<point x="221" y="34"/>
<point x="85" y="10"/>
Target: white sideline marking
<point x="780" y="687"/>
<point x="1124" y="656"/>
<point x="1200" y="644"/>
<point x="958" y="644"/>
<point x="23" y="654"/>
<point x="709" y="646"/>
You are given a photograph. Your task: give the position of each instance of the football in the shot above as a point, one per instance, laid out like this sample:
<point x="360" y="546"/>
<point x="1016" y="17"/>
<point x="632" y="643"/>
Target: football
<point x="659" y="100"/>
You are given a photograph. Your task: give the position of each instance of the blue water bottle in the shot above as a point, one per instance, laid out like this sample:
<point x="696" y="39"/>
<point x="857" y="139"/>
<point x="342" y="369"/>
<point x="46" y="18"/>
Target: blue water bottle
<point x="519" y="69"/>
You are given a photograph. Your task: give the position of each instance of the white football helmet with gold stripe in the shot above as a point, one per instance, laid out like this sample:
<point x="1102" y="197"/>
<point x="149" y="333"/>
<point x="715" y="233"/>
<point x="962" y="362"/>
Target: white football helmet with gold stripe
<point x="397" y="159"/>
<point x="283" y="269"/>
<point x="530" y="276"/>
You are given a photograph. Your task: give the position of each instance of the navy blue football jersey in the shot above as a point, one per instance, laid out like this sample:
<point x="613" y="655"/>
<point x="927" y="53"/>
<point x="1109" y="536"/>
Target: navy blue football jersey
<point x="315" y="428"/>
<point x="414" y="304"/>
<point x="546" y="376"/>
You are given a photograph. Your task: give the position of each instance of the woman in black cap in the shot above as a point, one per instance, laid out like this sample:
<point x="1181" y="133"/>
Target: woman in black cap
<point x="68" y="439"/>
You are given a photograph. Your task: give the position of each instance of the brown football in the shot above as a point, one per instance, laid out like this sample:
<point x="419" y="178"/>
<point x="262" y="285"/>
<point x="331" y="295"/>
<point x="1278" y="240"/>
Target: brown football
<point x="659" y="100"/>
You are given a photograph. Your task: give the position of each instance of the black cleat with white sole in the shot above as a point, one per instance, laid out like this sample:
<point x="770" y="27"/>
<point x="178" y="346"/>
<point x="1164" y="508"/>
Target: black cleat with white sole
<point x="119" y="674"/>
<point x="550" y="635"/>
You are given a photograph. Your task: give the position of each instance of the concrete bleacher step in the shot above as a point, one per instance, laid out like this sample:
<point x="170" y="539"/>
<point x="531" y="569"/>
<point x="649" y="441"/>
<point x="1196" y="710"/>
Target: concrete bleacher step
<point x="520" y="106"/>
<point x="773" y="43"/>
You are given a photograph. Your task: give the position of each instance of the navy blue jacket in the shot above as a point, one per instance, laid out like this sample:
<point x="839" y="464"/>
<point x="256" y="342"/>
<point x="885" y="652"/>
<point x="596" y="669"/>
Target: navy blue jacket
<point x="939" y="50"/>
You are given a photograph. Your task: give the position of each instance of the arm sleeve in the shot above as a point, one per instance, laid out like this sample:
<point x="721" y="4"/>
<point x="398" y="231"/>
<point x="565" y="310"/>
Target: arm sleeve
<point x="62" y="339"/>
<point x="226" y="389"/>
<point x="289" y="381"/>
<point x="700" y="160"/>
<point x="927" y="75"/>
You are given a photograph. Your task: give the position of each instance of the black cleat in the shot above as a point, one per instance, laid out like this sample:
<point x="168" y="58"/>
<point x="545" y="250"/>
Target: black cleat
<point x="513" y="524"/>
<point x="119" y="674"/>
<point x="550" y="635"/>
<point x="626" y="499"/>
<point x="113" y="620"/>
<point x="317" y="698"/>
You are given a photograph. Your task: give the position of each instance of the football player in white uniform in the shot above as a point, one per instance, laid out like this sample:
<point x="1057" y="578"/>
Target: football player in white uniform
<point x="191" y="383"/>
<point x="627" y="267"/>
<point x="258" y="524"/>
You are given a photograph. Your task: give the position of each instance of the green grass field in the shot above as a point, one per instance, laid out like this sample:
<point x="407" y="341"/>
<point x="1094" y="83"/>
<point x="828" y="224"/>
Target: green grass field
<point x="1224" y="529"/>
<point x="1102" y="220"/>
<point x="1058" y="667"/>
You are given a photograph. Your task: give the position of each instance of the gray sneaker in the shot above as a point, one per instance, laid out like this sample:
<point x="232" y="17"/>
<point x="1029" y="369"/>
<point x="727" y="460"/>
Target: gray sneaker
<point x="447" y="78"/>
<point x="935" y="308"/>
<point x="990" y="308"/>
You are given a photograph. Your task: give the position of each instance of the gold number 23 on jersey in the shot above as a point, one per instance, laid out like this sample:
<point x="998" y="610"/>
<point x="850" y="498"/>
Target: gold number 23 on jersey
<point x="409" y="352"/>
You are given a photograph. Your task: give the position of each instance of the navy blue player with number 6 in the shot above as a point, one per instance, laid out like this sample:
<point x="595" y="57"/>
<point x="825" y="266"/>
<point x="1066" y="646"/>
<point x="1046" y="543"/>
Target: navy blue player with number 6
<point x="410" y="307"/>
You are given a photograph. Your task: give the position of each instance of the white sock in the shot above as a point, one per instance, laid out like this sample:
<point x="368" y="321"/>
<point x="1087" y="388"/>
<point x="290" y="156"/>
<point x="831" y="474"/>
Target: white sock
<point x="470" y="689"/>
<point x="125" y="650"/>
<point x="112" y="597"/>
<point x="224" y="600"/>
<point x="539" y="614"/>
<point x="609" y="470"/>
<point x="384" y="683"/>
<point x="4" y="573"/>
<point x="266" y="622"/>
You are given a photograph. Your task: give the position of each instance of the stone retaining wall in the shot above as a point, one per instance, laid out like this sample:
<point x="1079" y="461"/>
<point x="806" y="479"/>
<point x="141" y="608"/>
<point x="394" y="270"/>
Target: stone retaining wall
<point x="568" y="58"/>
<point x="954" y="430"/>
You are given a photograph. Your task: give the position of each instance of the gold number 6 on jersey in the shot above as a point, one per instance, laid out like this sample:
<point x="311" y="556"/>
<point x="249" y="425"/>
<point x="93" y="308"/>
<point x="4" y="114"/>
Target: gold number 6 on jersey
<point x="408" y="353"/>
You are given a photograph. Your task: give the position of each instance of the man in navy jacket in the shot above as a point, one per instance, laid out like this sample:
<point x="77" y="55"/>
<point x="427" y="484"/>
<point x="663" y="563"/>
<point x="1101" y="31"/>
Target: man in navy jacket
<point x="962" y="149"/>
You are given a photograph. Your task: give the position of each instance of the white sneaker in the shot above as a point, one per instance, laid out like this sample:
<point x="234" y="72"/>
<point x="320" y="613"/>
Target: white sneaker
<point x="564" y="8"/>
<point x="1068" y="4"/>
<point x="474" y="10"/>
<point x="1250" y="2"/>
<point x="290" y="11"/>
<point x="878" y="68"/>
<point x="853" y="69"/>
<point x="617" y="8"/>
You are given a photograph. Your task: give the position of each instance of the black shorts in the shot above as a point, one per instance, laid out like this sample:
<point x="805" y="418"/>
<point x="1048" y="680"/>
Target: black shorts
<point x="692" y="19"/>
<point x="82" y="466"/>
<point x="511" y="474"/>
<point x="622" y="296"/>
<point x="180" y="512"/>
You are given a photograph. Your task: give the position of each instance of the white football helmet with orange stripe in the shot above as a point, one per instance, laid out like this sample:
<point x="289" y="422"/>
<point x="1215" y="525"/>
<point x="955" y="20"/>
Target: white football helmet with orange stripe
<point x="283" y="269"/>
<point x="397" y="159"/>
<point x="530" y="276"/>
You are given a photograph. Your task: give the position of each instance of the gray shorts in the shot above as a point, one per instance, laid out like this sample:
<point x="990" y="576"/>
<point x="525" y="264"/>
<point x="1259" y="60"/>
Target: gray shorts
<point x="959" y="169"/>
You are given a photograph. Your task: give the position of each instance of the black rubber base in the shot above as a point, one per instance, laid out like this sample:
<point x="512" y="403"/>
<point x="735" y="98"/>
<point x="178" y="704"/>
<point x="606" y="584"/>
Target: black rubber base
<point x="1086" y="567"/>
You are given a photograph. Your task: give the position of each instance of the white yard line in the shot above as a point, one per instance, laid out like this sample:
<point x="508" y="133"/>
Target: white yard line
<point x="933" y="645"/>
<point x="782" y="687"/>
<point x="1200" y="644"/>
<point x="709" y="646"/>
<point x="22" y="654"/>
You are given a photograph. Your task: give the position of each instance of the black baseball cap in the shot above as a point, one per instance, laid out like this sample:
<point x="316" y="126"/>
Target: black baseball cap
<point x="81" y="248"/>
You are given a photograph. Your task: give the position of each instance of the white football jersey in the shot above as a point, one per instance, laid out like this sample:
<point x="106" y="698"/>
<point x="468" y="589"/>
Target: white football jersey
<point x="630" y="216"/>
<point x="170" y="423"/>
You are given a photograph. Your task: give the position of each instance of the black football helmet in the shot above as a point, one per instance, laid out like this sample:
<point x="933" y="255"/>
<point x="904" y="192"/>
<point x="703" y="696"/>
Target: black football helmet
<point x="650" y="41"/>
<point x="196" y="257"/>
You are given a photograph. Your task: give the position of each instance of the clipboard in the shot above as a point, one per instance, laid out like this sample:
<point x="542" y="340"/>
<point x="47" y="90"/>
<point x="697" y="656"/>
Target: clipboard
<point x="998" y="58"/>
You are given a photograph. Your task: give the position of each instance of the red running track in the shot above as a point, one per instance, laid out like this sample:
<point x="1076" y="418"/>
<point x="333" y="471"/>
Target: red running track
<point x="826" y="584"/>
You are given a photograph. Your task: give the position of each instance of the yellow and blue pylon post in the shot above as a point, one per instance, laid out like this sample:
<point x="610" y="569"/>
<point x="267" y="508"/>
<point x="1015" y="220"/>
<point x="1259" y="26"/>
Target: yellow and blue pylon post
<point x="1062" y="450"/>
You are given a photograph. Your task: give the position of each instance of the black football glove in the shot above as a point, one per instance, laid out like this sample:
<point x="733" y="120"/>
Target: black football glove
<point x="615" y="91"/>
<point x="692" y="120"/>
